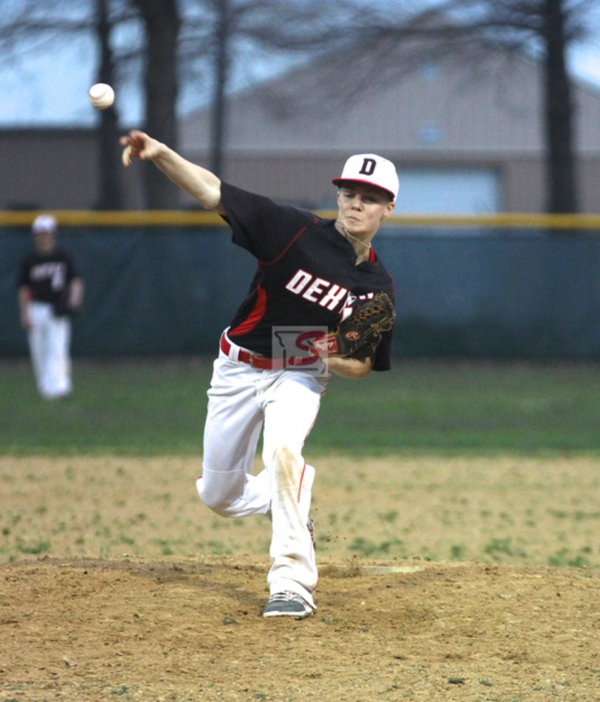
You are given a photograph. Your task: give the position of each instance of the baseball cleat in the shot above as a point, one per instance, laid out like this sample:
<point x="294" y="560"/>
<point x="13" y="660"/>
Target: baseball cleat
<point x="287" y="604"/>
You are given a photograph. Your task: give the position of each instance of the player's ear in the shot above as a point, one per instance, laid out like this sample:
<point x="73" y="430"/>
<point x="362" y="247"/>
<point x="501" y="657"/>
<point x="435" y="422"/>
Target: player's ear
<point x="389" y="208"/>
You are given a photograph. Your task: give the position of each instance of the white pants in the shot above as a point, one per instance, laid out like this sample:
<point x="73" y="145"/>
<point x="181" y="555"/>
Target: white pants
<point x="49" y="340"/>
<point x="284" y="403"/>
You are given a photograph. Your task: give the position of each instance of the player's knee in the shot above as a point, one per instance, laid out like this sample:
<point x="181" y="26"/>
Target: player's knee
<point x="220" y="508"/>
<point x="213" y="499"/>
<point x="219" y="496"/>
<point x="217" y="505"/>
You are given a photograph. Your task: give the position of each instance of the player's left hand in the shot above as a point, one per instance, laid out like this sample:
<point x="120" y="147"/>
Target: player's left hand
<point x="358" y="335"/>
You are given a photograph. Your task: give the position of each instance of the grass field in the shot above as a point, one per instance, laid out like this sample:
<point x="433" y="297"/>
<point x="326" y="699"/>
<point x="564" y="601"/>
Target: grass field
<point x="518" y="511"/>
<point x="505" y="452"/>
<point x="157" y="407"/>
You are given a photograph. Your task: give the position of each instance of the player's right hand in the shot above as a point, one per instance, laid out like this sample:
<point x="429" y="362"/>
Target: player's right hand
<point x="138" y="145"/>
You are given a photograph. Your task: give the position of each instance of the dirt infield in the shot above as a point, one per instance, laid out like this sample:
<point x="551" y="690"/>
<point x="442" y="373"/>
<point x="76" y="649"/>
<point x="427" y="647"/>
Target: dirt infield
<point x="441" y="579"/>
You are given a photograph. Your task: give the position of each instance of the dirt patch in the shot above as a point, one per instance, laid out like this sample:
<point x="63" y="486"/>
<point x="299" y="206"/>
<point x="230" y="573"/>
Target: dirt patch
<point x="103" y="611"/>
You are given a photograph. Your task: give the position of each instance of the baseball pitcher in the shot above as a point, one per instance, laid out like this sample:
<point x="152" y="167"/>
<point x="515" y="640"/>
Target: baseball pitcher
<point x="320" y="283"/>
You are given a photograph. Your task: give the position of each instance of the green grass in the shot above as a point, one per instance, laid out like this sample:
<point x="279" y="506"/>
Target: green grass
<point x="152" y="407"/>
<point x="121" y="407"/>
<point x="456" y="407"/>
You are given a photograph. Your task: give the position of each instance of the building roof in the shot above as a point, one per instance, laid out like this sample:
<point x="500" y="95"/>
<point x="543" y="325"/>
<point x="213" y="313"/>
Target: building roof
<point x="440" y="106"/>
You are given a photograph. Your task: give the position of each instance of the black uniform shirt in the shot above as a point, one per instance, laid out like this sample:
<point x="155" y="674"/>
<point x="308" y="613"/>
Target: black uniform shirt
<point x="47" y="277"/>
<point x="307" y="273"/>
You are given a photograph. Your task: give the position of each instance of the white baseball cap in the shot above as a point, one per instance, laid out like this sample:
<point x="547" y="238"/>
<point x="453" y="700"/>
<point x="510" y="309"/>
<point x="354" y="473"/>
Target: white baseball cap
<point x="44" y="223"/>
<point x="372" y="169"/>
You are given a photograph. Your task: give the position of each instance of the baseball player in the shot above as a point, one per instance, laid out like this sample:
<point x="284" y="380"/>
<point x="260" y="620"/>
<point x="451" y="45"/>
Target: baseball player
<point x="49" y="291"/>
<point x="310" y="274"/>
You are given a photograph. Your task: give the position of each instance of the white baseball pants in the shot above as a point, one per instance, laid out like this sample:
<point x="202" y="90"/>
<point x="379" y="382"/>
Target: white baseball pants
<point x="285" y="404"/>
<point x="49" y="340"/>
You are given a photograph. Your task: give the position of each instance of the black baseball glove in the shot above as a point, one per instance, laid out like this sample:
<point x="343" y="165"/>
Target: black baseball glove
<point x="358" y="335"/>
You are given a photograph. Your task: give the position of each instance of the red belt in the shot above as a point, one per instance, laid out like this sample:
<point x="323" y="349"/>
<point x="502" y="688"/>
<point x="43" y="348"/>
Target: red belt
<point x="259" y="362"/>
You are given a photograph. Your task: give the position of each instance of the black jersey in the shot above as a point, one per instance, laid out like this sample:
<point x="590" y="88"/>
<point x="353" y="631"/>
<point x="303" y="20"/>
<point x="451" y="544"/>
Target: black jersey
<point x="307" y="273"/>
<point x="47" y="277"/>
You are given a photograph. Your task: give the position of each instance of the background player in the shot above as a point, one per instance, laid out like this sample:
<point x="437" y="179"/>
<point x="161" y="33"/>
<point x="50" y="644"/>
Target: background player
<point x="49" y="290"/>
<point x="310" y="273"/>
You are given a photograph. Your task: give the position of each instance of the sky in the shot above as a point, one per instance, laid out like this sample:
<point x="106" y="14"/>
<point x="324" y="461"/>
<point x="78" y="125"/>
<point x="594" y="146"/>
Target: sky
<point x="52" y="90"/>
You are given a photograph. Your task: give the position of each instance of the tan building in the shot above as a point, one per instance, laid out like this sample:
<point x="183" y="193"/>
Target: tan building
<point x="462" y="144"/>
<point x="54" y="168"/>
<point x="47" y="168"/>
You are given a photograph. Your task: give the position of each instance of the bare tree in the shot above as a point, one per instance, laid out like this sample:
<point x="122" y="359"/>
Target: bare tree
<point x="110" y="190"/>
<point x="222" y="63"/>
<point x="204" y="42"/>
<point x="545" y="29"/>
<point x="222" y="35"/>
<point x="161" y="86"/>
<point x="35" y="25"/>
<point x="182" y="38"/>
<point x="366" y="34"/>
<point x="559" y="109"/>
<point x="32" y="26"/>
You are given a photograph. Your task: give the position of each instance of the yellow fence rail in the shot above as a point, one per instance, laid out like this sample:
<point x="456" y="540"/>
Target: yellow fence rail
<point x="187" y="218"/>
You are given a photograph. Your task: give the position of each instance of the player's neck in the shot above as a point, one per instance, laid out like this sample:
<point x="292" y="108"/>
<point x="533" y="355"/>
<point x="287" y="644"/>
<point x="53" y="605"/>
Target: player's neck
<point x="361" y="248"/>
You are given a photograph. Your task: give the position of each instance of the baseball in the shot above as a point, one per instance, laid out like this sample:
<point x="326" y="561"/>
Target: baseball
<point x="101" y="96"/>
